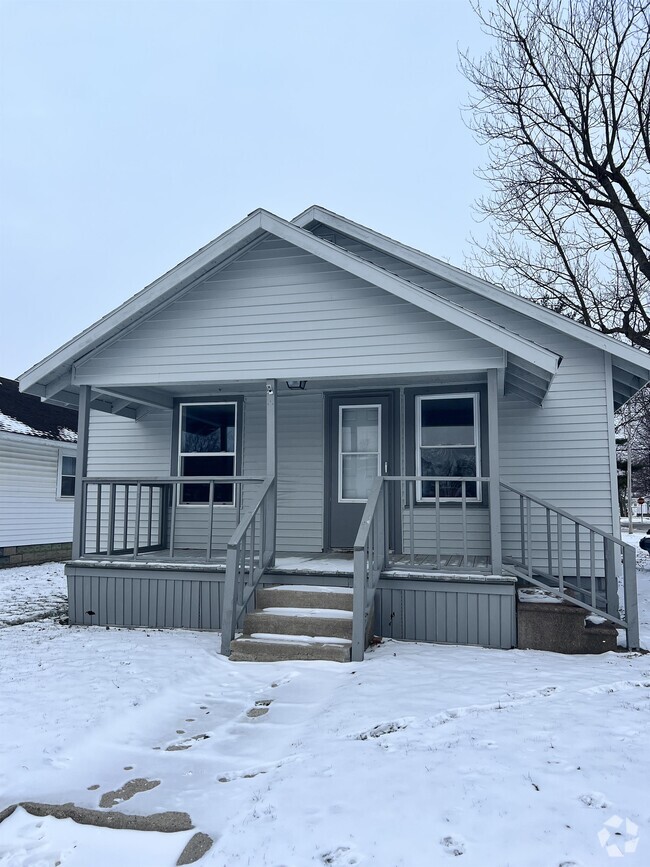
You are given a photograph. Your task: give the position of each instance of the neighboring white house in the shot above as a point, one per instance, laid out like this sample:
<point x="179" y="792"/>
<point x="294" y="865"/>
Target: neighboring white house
<point x="38" y="446"/>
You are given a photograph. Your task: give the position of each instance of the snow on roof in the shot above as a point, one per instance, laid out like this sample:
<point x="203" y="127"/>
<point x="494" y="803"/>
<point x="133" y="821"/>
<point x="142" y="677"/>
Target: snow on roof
<point x="27" y="415"/>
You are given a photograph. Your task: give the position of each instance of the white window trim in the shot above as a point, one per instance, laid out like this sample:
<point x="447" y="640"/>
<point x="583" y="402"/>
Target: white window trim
<point x="418" y="444"/>
<point x="59" y="475"/>
<point x="181" y="455"/>
<point x="377" y="406"/>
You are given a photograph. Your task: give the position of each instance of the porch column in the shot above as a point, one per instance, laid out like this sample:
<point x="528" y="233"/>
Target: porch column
<point x="272" y="461"/>
<point x="79" y="523"/>
<point x="494" y="470"/>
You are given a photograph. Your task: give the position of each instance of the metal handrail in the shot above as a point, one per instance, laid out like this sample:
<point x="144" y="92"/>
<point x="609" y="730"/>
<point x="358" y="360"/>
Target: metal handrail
<point x="370" y="556"/>
<point x="250" y="552"/>
<point x="161" y="480"/>
<point x="557" y="565"/>
<point x="436" y="478"/>
<point x="546" y="505"/>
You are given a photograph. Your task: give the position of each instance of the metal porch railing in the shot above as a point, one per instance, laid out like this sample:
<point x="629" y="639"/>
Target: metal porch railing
<point x="122" y="516"/>
<point x="571" y="559"/>
<point x="438" y="528"/>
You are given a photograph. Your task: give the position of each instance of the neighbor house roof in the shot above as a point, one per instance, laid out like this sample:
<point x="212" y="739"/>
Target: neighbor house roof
<point x="27" y="415"/>
<point x="533" y="365"/>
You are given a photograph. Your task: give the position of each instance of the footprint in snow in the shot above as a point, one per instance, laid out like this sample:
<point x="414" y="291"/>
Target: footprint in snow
<point x="595" y="799"/>
<point x="261" y="707"/>
<point x="184" y="745"/>
<point x="452" y="846"/>
<point x="382" y="729"/>
<point x="342" y="856"/>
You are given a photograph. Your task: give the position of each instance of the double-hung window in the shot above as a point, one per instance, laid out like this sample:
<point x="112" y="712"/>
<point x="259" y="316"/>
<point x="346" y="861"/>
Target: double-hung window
<point x="207" y="446"/>
<point x="448" y="445"/>
<point x="67" y="470"/>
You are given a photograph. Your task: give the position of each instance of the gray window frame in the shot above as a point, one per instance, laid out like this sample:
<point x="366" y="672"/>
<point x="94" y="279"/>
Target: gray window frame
<point x="459" y="395"/>
<point x="60" y="474"/>
<point x="180" y="402"/>
<point x="410" y="438"/>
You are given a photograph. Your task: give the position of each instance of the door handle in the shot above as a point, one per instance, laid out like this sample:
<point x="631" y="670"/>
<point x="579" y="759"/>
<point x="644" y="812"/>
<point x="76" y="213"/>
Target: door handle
<point x="385" y="468"/>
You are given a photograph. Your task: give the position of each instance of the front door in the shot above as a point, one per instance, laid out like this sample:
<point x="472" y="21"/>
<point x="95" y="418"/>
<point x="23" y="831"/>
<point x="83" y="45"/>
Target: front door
<point x="360" y="449"/>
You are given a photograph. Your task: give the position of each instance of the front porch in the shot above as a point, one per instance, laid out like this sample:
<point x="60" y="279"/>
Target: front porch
<point x="428" y="557"/>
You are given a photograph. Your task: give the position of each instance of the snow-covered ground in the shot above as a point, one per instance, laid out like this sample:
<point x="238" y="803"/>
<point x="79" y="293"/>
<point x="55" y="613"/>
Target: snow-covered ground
<point x="418" y="756"/>
<point x="28" y="592"/>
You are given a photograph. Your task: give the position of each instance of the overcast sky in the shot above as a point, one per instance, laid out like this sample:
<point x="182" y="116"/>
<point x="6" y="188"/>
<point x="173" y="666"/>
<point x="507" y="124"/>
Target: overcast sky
<point x="132" y="133"/>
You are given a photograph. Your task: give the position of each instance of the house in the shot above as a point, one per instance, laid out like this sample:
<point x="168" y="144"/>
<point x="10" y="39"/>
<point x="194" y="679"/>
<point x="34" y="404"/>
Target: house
<point x="38" y="446"/>
<point x="309" y="415"/>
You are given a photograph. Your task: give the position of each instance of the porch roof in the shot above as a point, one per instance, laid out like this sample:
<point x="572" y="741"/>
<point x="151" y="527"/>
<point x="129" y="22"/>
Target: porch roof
<point x="532" y="366"/>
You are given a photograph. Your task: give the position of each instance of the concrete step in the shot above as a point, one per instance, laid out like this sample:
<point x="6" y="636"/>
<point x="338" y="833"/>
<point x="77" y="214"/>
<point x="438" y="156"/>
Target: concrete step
<point x="277" y="648"/>
<point x="304" y="596"/>
<point x="332" y="623"/>
<point x="562" y="628"/>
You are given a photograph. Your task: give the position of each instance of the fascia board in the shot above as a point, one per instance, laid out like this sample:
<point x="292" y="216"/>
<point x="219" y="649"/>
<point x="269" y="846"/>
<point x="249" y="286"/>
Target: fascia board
<point x="441" y="269"/>
<point x="429" y="301"/>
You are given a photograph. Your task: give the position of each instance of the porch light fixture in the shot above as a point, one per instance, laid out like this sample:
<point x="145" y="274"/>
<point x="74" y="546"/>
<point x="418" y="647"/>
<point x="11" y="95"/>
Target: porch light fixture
<point x="296" y="384"/>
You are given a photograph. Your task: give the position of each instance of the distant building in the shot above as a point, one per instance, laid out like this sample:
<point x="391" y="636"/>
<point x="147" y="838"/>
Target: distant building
<point x="38" y="447"/>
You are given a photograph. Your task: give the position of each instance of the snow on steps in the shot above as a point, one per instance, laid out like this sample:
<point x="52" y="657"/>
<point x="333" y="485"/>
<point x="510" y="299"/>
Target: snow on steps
<point x="301" y="622"/>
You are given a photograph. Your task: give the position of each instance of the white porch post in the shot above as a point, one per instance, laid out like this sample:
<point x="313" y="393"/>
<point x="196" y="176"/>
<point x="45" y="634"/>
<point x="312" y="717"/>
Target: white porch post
<point x="79" y="523"/>
<point x="494" y="470"/>
<point x="272" y="461"/>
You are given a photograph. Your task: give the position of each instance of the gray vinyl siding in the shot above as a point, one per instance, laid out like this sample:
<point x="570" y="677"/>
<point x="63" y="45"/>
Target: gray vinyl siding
<point x="119" y="447"/>
<point x="300" y="472"/>
<point x="123" y="448"/>
<point x="30" y="511"/>
<point x="280" y="312"/>
<point x="560" y="451"/>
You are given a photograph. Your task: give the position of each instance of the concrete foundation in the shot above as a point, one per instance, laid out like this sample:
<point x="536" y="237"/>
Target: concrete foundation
<point x="560" y="627"/>
<point x="31" y="555"/>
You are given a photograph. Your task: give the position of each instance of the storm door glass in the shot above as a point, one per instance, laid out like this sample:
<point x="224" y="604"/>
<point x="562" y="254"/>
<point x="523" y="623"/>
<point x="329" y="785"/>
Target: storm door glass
<point x="359" y="451"/>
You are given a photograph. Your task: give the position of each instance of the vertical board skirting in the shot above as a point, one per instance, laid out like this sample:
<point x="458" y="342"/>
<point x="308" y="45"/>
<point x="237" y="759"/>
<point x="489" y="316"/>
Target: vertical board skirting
<point x="145" y="600"/>
<point x="447" y="612"/>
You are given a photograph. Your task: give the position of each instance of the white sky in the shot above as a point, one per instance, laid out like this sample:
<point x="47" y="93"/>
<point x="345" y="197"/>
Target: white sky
<point x="132" y="133"/>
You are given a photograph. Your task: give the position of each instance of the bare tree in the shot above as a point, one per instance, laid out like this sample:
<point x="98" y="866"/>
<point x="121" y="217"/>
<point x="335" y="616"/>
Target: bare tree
<point x="633" y="444"/>
<point x="562" y="101"/>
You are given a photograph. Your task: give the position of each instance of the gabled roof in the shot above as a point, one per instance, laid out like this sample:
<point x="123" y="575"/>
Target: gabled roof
<point x="53" y="375"/>
<point x="631" y="367"/>
<point x="26" y="415"/>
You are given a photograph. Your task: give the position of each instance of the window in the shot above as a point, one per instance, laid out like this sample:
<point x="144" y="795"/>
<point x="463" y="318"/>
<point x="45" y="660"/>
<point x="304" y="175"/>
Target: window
<point x="207" y="446"/>
<point x="67" y="470"/>
<point x="447" y="444"/>
<point x="359" y="451"/>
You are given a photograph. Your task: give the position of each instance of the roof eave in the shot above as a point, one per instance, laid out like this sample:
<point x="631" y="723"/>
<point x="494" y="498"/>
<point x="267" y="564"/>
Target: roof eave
<point x="229" y="244"/>
<point x="151" y="295"/>
<point x="317" y="213"/>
